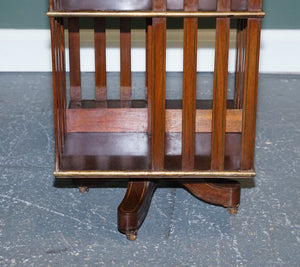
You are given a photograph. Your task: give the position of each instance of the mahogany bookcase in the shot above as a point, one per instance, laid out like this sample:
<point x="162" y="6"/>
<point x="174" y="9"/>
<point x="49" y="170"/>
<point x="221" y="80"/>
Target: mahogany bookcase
<point x="199" y="143"/>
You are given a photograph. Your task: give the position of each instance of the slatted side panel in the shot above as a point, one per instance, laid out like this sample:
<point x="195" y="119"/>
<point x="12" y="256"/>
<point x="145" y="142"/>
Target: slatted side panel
<point x="59" y="98"/>
<point x="240" y="63"/>
<point x="125" y="49"/>
<point x="220" y="88"/>
<point x="159" y="86"/>
<point x="149" y="71"/>
<point x="189" y="86"/>
<point x="250" y="87"/>
<point x="74" y="56"/>
<point x="100" y="59"/>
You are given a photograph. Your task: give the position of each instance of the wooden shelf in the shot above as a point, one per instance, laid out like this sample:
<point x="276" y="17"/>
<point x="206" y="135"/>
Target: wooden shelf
<point x="131" y="152"/>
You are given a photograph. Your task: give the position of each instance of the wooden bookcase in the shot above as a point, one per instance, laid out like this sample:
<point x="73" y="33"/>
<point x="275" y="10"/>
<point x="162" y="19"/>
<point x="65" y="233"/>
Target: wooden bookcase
<point x="200" y="143"/>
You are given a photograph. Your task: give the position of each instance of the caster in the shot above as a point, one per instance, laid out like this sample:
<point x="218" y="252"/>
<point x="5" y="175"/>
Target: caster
<point x="134" y="207"/>
<point x="131" y="235"/>
<point x="233" y="210"/>
<point x="83" y="189"/>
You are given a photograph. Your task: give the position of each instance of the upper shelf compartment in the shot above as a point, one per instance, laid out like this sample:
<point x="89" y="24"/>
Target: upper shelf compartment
<point x="139" y="5"/>
<point x="144" y="8"/>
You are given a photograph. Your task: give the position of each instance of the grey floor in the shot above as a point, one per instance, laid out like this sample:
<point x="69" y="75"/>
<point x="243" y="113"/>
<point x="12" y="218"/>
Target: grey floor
<point x="44" y="222"/>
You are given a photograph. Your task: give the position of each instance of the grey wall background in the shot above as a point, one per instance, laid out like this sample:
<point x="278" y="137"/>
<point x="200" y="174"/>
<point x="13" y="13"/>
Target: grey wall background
<point x="31" y="14"/>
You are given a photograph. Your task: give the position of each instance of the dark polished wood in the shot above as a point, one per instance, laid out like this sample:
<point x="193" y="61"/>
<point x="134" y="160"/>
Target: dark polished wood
<point x="189" y="97"/>
<point x="255" y="5"/>
<point x="55" y="96"/>
<point x="240" y="63"/>
<point x="223" y="5"/>
<point x="220" y="88"/>
<point x="100" y="59"/>
<point x="74" y="58"/>
<point x="125" y="47"/>
<point x="221" y="192"/>
<point x="157" y="139"/>
<point x="159" y="93"/>
<point x="62" y="72"/>
<point x="134" y="208"/>
<point x="250" y="93"/>
<point x="59" y="85"/>
<point x="131" y="151"/>
<point x="149" y="72"/>
<point x="109" y="116"/>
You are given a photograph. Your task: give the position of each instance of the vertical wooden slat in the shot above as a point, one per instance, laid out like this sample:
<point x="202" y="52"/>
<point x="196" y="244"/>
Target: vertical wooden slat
<point x="125" y="47"/>
<point x="255" y="5"/>
<point x="223" y="5"/>
<point x="149" y="72"/>
<point x="63" y="74"/>
<point x="100" y="59"/>
<point x="148" y="49"/>
<point x="159" y="85"/>
<point x="250" y="93"/>
<point x="59" y="84"/>
<point x="50" y="7"/>
<point x="56" y="36"/>
<point x="74" y="55"/>
<point x="220" y="88"/>
<point x="54" y="81"/>
<point x="189" y="86"/>
<point x="240" y="63"/>
<point x="60" y="80"/>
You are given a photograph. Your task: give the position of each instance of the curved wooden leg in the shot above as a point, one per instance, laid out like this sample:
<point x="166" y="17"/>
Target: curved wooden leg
<point x="134" y="207"/>
<point x="221" y="192"/>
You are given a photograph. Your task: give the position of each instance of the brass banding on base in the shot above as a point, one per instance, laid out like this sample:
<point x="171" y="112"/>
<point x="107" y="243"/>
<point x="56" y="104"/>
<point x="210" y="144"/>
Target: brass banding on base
<point x="154" y="174"/>
<point x="167" y="14"/>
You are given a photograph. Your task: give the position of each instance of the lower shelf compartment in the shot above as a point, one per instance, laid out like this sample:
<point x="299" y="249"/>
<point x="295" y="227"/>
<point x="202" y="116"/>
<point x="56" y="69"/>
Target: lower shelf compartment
<point x="131" y="153"/>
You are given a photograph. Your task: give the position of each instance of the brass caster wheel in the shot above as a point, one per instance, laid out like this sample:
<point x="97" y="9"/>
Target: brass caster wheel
<point x="83" y="189"/>
<point x="131" y="235"/>
<point x="233" y="210"/>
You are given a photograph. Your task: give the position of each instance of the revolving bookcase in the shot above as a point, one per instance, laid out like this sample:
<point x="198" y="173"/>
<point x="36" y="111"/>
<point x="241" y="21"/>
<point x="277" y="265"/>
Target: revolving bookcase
<point x="202" y="144"/>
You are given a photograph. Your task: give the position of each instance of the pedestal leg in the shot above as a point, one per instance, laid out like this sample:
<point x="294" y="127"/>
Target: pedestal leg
<point x="134" y="207"/>
<point x="221" y="192"/>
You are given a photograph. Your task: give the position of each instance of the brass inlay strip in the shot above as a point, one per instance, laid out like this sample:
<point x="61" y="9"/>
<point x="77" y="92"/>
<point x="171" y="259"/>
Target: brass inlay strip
<point x="154" y="174"/>
<point x="169" y="14"/>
